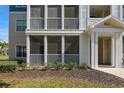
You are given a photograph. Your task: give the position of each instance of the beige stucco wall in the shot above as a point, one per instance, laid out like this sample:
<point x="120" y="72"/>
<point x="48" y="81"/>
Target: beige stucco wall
<point x="15" y="37"/>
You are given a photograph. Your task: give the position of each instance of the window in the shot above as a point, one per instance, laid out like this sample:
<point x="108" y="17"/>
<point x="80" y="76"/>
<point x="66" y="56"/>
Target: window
<point x="54" y="17"/>
<point x="20" y="51"/>
<point x="20" y="25"/>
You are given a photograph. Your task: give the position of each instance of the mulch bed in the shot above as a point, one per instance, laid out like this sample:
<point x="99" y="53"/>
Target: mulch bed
<point x="91" y="75"/>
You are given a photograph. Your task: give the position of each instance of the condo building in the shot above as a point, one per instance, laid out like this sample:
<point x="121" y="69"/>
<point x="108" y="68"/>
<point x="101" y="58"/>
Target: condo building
<point x="91" y="34"/>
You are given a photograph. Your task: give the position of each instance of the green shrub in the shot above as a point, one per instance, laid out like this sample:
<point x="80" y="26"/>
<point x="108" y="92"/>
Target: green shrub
<point x="59" y="65"/>
<point x="22" y="65"/>
<point x="71" y="66"/>
<point x="8" y="66"/>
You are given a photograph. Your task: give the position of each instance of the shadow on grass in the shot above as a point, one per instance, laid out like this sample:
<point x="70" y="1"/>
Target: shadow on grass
<point x="3" y="84"/>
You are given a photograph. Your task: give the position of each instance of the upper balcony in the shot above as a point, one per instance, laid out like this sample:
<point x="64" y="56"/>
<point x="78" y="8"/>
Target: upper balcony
<point x="53" y="17"/>
<point x="97" y="13"/>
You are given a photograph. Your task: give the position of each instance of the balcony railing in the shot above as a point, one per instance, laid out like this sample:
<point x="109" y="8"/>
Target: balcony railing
<point x="54" y="23"/>
<point x="37" y="23"/>
<point x="52" y="58"/>
<point x="71" y="23"/>
<point x="36" y="59"/>
<point x="71" y="58"/>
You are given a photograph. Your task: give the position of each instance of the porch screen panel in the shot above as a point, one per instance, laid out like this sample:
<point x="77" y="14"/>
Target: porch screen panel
<point x="54" y="17"/>
<point x="71" y="49"/>
<point x="37" y="50"/>
<point x="71" y="17"/>
<point x="37" y="17"/>
<point x="54" y="49"/>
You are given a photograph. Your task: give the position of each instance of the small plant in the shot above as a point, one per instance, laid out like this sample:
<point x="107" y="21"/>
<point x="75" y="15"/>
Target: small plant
<point x="71" y="66"/>
<point x="59" y="65"/>
<point x="21" y="65"/>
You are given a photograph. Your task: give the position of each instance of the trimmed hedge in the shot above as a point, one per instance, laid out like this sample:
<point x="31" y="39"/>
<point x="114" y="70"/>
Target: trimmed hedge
<point x="8" y="66"/>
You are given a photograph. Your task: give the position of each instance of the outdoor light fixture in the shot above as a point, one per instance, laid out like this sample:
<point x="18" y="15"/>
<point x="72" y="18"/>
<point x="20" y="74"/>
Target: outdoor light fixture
<point x="107" y="23"/>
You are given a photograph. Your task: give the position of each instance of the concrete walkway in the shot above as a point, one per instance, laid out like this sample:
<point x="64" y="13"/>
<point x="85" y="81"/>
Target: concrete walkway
<point x="115" y="71"/>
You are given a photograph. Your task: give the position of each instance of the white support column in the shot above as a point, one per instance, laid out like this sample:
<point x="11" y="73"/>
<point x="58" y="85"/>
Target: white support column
<point x="80" y="17"/>
<point x="28" y="16"/>
<point x="89" y="51"/>
<point x="28" y="50"/>
<point x="117" y="51"/>
<point x="113" y="51"/>
<point x="63" y="48"/>
<point x="45" y="50"/>
<point x="120" y="50"/>
<point x="80" y="50"/>
<point x="92" y="50"/>
<point x="96" y="51"/>
<point x="45" y="16"/>
<point x="62" y="13"/>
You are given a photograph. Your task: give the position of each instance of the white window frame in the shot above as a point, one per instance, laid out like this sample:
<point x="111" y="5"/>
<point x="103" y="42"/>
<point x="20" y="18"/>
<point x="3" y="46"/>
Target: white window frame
<point x="16" y="50"/>
<point x="16" y="25"/>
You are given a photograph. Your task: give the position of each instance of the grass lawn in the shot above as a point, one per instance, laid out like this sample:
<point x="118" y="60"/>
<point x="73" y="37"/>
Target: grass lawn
<point x="4" y="57"/>
<point x="53" y="82"/>
<point x="60" y="79"/>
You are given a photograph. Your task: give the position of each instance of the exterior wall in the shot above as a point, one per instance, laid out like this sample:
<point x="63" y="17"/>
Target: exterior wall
<point x="84" y="16"/>
<point x="15" y="38"/>
<point x="84" y="48"/>
<point x="116" y="11"/>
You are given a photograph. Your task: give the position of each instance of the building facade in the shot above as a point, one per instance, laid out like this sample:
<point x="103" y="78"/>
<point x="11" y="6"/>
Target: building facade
<point x="41" y="34"/>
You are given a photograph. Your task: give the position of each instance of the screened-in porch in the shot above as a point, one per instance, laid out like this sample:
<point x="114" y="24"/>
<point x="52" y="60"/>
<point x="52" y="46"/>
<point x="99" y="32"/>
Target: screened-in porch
<point x="51" y="49"/>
